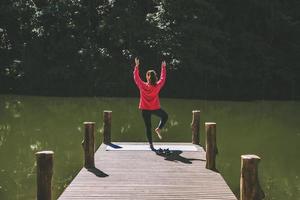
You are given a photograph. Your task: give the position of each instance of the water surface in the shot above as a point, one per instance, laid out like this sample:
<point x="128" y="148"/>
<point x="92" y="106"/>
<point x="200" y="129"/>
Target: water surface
<point x="270" y="129"/>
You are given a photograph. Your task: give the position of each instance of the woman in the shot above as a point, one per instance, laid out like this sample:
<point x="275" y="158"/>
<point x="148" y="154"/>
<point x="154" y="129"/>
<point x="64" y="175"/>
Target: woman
<point x="149" y="99"/>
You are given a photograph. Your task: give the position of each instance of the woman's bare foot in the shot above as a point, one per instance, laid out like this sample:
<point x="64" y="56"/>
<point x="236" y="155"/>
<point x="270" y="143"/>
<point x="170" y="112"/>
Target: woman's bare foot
<point x="158" y="132"/>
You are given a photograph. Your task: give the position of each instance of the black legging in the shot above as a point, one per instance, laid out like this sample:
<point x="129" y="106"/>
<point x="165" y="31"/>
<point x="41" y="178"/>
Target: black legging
<point x="147" y="119"/>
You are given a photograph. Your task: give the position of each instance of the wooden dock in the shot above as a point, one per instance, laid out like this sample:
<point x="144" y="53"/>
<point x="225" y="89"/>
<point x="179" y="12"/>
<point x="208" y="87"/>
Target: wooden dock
<point x="132" y="171"/>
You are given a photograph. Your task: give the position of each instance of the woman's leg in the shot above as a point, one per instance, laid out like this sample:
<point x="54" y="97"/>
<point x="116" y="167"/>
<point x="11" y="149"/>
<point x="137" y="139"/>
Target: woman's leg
<point x="147" y="119"/>
<point x="163" y="117"/>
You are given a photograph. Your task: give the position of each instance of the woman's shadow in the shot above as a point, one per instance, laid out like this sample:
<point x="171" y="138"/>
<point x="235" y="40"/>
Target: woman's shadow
<point x="175" y="156"/>
<point x="97" y="172"/>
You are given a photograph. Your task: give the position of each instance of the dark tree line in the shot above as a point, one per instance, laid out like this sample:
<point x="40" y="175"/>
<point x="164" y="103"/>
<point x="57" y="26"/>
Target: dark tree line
<point x="214" y="49"/>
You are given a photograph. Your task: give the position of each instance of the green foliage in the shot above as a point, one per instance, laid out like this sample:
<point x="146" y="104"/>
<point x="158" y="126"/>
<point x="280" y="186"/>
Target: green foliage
<point x="225" y="50"/>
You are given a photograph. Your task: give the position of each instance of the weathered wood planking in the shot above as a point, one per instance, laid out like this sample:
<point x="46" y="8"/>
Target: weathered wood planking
<point x="145" y="175"/>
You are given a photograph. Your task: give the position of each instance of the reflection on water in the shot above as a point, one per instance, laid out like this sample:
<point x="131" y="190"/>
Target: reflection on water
<point x="30" y="124"/>
<point x="125" y="129"/>
<point x="36" y="147"/>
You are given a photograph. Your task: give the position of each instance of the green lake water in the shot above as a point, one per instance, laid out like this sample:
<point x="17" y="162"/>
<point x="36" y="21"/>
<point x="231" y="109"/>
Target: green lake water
<point x="270" y="129"/>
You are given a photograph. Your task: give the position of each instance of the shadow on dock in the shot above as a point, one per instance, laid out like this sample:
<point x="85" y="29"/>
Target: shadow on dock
<point x="114" y="146"/>
<point x="97" y="172"/>
<point x="175" y="156"/>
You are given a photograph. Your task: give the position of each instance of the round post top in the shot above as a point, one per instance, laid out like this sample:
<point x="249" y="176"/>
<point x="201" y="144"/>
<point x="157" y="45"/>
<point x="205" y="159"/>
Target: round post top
<point x="210" y="123"/>
<point x="87" y="123"/>
<point x="250" y="156"/>
<point x="44" y="152"/>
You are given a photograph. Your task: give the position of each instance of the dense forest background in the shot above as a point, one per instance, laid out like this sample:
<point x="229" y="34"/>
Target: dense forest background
<point x="229" y="49"/>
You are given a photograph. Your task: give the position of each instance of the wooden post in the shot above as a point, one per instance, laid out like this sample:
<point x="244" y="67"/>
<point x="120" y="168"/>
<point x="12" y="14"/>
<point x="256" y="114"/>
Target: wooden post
<point x="196" y="127"/>
<point x="107" y="126"/>
<point x="89" y="144"/>
<point x="211" y="145"/>
<point x="249" y="184"/>
<point x="44" y="171"/>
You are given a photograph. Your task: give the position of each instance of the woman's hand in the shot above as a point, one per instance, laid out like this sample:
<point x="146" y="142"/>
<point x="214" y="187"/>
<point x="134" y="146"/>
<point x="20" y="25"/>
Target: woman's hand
<point x="163" y="63"/>
<point x="137" y="61"/>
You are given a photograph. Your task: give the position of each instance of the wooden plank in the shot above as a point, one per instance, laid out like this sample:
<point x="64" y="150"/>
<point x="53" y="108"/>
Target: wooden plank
<point x="145" y="175"/>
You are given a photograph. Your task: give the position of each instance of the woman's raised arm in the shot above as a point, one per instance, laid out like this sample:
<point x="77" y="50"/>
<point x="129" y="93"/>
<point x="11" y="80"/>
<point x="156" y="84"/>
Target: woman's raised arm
<point x="163" y="74"/>
<point x="136" y="73"/>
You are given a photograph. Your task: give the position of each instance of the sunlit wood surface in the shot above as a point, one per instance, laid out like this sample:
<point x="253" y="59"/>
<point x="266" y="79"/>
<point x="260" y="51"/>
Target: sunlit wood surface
<point x="142" y="174"/>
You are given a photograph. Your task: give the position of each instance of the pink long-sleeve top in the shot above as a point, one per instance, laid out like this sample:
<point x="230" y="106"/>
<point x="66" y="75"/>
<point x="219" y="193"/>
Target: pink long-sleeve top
<point x="149" y="94"/>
